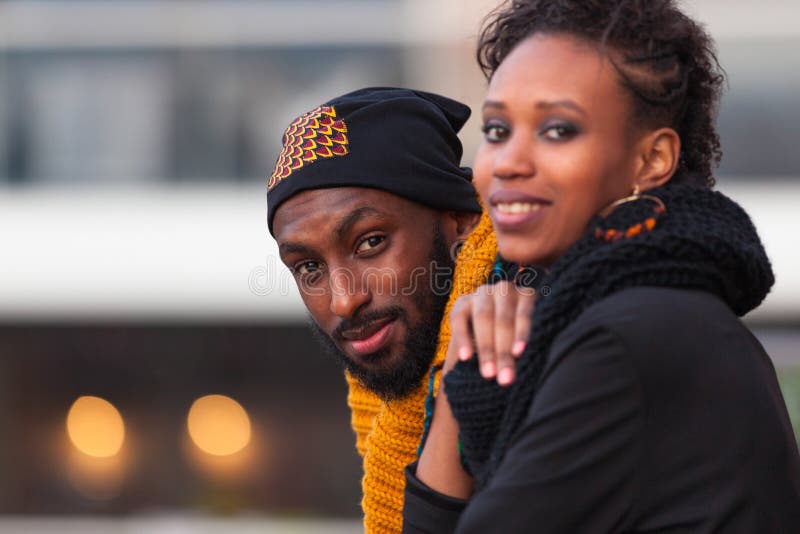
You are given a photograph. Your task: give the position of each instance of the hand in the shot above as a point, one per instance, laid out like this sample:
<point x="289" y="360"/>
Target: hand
<point x="495" y="322"/>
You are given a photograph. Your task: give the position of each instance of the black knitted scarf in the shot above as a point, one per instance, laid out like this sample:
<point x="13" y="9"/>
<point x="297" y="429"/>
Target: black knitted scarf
<point x="703" y="241"/>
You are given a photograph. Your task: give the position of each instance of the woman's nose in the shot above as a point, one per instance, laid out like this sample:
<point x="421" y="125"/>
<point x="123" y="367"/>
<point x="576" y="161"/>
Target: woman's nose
<point x="514" y="159"/>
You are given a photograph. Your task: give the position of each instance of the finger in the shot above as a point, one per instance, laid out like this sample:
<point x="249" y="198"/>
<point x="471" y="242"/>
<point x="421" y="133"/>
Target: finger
<point x="522" y="322"/>
<point x="505" y="307"/>
<point x="460" y="328"/>
<point x="483" y="330"/>
<point x="451" y="357"/>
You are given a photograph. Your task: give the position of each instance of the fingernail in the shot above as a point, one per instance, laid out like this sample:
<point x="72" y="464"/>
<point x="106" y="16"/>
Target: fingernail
<point x="464" y="353"/>
<point x="488" y="370"/>
<point x="518" y="347"/>
<point x="506" y="376"/>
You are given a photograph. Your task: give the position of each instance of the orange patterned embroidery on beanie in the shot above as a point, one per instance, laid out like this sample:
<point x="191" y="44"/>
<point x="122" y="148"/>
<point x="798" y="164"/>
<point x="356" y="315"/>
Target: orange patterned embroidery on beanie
<point x="312" y="136"/>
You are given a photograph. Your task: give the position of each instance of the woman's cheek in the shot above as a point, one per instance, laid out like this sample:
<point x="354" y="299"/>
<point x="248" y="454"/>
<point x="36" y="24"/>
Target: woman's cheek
<point x="482" y="174"/>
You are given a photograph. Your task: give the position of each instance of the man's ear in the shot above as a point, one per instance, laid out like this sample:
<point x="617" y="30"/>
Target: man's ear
<point x="660" y="152"/>
<point x="465" y="222"/>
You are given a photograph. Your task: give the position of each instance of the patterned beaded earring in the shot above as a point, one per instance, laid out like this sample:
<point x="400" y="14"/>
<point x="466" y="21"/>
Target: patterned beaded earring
<point x="614" y="234"/>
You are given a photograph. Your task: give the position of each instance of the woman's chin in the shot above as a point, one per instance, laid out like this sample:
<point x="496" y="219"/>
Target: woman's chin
<point x="520" y="252"/>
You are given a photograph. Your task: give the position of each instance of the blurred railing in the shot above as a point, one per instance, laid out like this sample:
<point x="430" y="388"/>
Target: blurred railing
<point x="204" y="253"/>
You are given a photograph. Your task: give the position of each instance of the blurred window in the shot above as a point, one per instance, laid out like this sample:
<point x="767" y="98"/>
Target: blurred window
<point x="138" y="117"/>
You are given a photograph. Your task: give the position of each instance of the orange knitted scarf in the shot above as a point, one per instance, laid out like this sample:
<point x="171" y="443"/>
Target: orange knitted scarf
<point x="388" y="433"/>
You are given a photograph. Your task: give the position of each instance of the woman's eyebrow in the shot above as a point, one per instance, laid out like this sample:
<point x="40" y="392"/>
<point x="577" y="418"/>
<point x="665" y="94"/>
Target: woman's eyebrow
<point x="569" y="104"/>
<point x="542" y="104"/>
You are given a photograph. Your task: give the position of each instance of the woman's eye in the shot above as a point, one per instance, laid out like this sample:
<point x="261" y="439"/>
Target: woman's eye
<point x="370" y="243"/>
<point x="559" y="132"/>
<point x="494" y="132"/>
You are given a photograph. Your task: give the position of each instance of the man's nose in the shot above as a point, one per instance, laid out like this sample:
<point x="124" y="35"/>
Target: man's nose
<point x="348" y="295"/>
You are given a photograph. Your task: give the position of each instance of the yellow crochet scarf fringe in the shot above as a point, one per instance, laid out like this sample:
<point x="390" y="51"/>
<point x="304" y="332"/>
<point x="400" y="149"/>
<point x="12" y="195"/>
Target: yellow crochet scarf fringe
<point x="388" y="433"/>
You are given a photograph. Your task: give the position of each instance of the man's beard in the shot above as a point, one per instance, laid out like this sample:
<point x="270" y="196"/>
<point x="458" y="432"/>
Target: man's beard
<point x="420" y="347"/>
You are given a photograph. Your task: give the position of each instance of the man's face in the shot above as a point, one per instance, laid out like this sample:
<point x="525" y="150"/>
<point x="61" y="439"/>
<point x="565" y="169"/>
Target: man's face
<point x="374" y="271"/>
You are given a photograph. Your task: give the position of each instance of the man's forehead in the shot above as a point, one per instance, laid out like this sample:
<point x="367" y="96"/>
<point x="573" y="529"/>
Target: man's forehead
<point x="320" y="210"/>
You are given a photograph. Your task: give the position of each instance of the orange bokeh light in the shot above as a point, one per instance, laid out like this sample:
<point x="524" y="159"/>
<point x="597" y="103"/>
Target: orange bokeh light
<point x="95" y="427"/>
<point x="219" y="425"/>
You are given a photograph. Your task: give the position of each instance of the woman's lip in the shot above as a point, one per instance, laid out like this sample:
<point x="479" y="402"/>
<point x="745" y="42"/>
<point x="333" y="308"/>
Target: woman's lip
<point x="511" y="209"/>
<point x="511" y="221"/>
<point x="510" y="196"/>
<point x="373" y="342"/>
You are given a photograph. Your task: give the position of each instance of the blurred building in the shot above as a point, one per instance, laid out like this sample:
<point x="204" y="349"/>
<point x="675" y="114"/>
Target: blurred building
<point x="135" y="265"/>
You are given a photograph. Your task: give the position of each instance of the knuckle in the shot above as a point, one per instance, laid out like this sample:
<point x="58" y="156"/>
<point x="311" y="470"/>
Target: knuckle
<point x="461" y="303"/>
<point x="524" y="312"/>
<point x="505" y="313"/>
<point x="522" y="324"/>
<point x="525" y="292"/>
<point x="482" y="311"/>
<point x="486" y="352"/>
<point x="505" y="358"/>
<point x="459" y="312"/>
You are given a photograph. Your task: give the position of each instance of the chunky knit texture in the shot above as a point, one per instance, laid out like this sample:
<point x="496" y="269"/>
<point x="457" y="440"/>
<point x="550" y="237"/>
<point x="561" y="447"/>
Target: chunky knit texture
<point x="704" y="241"/>
<point x="388" y="433"/>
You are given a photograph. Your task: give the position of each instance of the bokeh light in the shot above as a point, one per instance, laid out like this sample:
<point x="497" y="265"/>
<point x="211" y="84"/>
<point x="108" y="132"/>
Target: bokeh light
<point x="219" y="425"/>
<point x="95" y="427"/>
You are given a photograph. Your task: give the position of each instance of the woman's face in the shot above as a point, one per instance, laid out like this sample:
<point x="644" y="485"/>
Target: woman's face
<point x="557" y="148"/>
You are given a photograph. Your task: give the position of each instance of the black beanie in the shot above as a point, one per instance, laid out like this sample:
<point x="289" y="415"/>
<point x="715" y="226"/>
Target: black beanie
<point x="397" y="140"/>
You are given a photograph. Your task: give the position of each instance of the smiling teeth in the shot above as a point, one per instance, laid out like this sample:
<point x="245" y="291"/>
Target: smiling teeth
<point x="518" y="207"/>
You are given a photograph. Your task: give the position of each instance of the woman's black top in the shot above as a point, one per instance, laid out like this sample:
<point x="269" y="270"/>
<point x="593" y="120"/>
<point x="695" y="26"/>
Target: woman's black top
<point x="657" y="411"/>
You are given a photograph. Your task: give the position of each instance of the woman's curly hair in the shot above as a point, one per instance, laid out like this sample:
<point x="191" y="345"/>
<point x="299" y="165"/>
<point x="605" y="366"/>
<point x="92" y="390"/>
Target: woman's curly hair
<point x="664" y="58"/>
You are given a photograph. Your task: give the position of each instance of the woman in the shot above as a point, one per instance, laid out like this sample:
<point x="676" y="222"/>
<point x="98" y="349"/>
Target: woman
<point x="640" y="403"/>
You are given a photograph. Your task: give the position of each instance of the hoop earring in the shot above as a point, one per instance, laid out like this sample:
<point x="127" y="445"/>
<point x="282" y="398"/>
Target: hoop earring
<point x="455" y="248"/>
<point x="614" y="234"/>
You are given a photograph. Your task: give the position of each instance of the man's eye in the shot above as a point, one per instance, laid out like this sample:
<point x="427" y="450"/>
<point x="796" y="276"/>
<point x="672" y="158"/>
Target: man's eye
<point x="369" y="243"/>
<point x="494" y="133"/>
<point x="306" y="268"/>
<point x="559" y="132"/>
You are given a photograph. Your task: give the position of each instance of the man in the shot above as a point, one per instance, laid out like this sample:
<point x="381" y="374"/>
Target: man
<point x="368" y="205"/>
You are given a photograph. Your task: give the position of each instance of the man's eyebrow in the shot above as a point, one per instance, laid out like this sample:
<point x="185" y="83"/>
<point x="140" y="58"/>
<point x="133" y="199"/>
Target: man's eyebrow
<point x="291" y="248"/>
<point x="340" y="231"/>
<point x="353" y="217"/>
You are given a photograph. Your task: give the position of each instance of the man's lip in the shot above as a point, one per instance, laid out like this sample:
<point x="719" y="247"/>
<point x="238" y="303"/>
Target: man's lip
<point x="375" y="341"/>
<point x="364" y="332"/>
